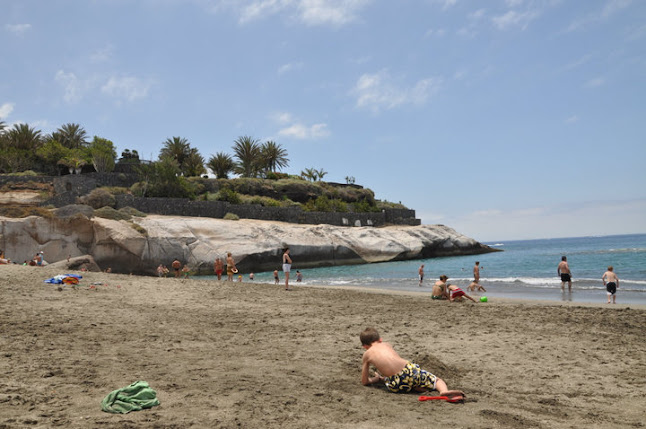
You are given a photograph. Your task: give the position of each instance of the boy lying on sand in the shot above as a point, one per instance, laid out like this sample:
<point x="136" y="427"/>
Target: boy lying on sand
<point x="396" y="373"/>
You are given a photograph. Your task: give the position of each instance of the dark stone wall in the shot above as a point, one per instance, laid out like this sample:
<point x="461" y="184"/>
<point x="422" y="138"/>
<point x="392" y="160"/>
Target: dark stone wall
<point x="218" y="209"/>
<point x="68" y="187"/>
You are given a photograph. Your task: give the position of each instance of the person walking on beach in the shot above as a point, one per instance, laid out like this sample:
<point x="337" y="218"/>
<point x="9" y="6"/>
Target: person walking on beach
<point x="218" y="267"/>
<point x="399" y="375"/>
<point x="476" y="272"/>
<point x="563" y="270"/>
<point x="611" y="282"/>
<point x="287" y="266"/>
<point x="421" y="274"/>
<point x="231" y="267"/>
<point x="177" y="265"/>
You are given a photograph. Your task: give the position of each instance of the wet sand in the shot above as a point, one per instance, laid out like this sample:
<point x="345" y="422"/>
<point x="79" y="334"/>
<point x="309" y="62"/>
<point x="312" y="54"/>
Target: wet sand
<point x="253" y="355"/>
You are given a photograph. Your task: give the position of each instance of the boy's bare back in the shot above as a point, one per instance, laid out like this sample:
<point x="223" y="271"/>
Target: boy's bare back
<point x="384" y="358"/>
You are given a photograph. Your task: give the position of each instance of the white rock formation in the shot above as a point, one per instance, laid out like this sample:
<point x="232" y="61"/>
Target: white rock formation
<point x="256" y="245"/>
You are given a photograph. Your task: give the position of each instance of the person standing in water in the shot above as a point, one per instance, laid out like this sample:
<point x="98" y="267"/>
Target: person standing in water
<point x="563" y="270"/>
<point x="287" y="266"/>
<point x="611" y="282"/>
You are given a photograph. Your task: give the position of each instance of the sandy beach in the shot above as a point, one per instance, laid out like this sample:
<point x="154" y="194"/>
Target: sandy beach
<point x="253" y="355"/>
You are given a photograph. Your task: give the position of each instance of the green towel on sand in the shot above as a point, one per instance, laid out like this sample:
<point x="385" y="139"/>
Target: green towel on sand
<point x="135" y="397"/>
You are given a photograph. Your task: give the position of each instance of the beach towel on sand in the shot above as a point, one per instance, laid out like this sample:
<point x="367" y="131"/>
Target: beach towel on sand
<point x="135" y="397"/>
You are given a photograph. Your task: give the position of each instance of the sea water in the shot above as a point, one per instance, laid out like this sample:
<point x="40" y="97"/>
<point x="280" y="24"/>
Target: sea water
<point x="526" y="269"/>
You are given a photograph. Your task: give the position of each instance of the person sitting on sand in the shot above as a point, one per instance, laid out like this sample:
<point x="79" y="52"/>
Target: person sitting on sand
<point x="38" y="259"/>
<point x="399" y="375"/>
<point x="455" y="293"/>
<point x="475" y="285"/>
<point x="439" y="288"/>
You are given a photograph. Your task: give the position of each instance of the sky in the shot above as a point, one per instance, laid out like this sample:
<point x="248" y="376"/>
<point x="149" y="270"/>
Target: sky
<point x="503" y="119"/>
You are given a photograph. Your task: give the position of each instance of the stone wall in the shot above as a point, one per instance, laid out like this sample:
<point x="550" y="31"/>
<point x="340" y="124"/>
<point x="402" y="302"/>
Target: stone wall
<point x="68" y="188"/>
<point x="218" y="209"/>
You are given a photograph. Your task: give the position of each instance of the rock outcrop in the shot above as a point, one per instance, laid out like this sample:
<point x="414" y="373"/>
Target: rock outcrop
<point x="139" y="246"/>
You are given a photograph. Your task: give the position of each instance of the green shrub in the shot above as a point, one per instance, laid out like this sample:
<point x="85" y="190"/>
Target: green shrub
<point x="110" y="213"/>
<point x="324" y="204"/>
<point x="17" y="211"/>
<point x="116" y="190"/>
<point x="98" y="198"/>
<point x="130" y="211"/>
<point x="140" y="229"/>
<point x="228" y="195"/>
<point x="263" y="201"/>
<point x="231" y="216"/>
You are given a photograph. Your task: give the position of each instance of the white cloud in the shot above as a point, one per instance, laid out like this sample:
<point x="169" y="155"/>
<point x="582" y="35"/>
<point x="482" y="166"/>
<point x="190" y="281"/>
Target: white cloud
<point x="572" y="119"/>
<point x="595" y="82"/>
<point x="610" y="8"/>
<point x="285" y="68"/>
<point x="377" y="91"/>
<point x="126" y="87"/>
<point x="440" y="32"/>
<point x="446" y="4"/>
<point x="304" y="132"/>
<point x="309" y="12"/>
<point x="17" y="29"/>
<point x="514" y="19"/>
<point x="282" y="117"/>
<point x="5" y="110"/>
<point x="73" y="87"/>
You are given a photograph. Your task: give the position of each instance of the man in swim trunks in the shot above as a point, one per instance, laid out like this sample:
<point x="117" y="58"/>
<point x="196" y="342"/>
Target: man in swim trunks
<point x="177" y="265"/>
<point x="399" y="375"/>
<point x="476" y="272"/>
<point x="439" y="288"/>
<point x="563" y="270"/>
<point x="612" y="283"/>
<point x="218" y="267"/>
<point x="456" y="292"/>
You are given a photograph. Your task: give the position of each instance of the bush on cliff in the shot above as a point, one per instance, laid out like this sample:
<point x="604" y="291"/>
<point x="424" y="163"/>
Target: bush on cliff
<point x="17" y="211"/>
<point x="110" y="213"/>
<point x="98" y="198"/>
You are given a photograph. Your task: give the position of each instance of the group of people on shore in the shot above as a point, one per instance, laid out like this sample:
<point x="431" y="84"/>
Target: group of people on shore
<point x="451" y="292"/>
<point x="609" y="279"/>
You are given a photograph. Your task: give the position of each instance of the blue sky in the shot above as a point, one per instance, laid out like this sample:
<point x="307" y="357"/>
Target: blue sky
<point x="505" y="119"/>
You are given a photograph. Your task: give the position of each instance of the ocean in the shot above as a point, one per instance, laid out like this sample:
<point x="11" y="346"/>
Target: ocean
<point x="526" y="269"/>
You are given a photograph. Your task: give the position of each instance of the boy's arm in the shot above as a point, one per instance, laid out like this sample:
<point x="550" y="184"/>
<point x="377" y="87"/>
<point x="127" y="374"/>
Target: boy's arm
<point x="365" y="373"/>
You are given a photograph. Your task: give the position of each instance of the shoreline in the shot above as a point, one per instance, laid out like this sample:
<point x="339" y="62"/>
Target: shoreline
<point x="251" y="354"/>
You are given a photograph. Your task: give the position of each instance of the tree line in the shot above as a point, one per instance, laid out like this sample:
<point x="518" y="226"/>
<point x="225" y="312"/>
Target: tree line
<point x="26" y="148"/>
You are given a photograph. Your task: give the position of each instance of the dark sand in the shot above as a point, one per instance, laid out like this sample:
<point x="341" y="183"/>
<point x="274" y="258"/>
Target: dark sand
<point x="251" y="355"/>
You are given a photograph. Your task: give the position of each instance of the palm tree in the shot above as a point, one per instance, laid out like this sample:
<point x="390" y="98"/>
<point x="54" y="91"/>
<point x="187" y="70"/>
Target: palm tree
<point x="221" y="165"/>
<point x="249" y="154"/>
<point x="320" y="174"/>
<point x="274" y="156"/>
<point x="24" y="137"/>
<point x="177" y="148"/>
<point x="309" y="174"/>
<point x="193" y="164"/>
<point x="72" y="136"/>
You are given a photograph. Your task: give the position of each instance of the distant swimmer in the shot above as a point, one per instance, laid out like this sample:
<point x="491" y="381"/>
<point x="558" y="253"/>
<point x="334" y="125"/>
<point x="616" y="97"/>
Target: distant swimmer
<point x="611" y="282"/>
<point x="421" y="274"/>
<point x="563" y="270"/>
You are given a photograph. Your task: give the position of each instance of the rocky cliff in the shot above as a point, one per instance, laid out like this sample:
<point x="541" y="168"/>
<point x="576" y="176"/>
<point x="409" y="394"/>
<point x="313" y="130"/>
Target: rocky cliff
<point x="142" y="244"/>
